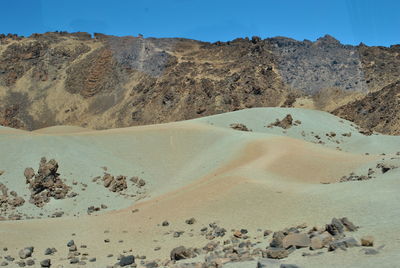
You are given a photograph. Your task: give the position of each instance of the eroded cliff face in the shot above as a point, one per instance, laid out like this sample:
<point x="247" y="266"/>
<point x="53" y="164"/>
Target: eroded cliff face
<point x="378" y="111"/>
<point x="107" y="81"/>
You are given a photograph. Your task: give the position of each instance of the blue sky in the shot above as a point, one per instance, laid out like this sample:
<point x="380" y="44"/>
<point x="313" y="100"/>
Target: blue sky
<point x="372" y="22"/>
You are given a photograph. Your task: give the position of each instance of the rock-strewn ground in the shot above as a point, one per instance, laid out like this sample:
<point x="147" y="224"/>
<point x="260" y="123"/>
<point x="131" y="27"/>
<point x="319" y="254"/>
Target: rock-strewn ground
<point x="204" y="192"/>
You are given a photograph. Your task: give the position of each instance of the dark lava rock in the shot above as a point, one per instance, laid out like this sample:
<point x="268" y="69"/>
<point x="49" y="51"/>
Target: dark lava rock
<point x="126" y="260"/>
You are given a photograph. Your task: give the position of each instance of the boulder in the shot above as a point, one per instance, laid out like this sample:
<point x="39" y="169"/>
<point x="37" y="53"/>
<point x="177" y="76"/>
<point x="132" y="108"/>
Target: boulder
<point x="126" y="260"/>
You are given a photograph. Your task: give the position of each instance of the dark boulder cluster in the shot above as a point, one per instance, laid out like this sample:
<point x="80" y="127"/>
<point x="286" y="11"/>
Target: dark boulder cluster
<point x="46" y="183"/>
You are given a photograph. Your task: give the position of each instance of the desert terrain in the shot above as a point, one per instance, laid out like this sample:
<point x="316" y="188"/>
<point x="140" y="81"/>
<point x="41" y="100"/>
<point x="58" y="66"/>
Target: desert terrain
<point x="259" y="187"/>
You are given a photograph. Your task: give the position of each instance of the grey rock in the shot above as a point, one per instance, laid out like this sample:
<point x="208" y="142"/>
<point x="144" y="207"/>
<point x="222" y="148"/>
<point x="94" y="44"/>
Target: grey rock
<point x="70" y="243"/>
<point x="126" y="260"/>
<point x="25" y="253"/>
<point x="343" y="243"/>
<point x="49" y="251"/>
<point x="45" y="263"/>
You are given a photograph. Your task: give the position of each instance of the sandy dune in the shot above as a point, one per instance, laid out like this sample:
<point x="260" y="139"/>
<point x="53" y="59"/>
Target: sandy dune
<point x="269" y="178"/>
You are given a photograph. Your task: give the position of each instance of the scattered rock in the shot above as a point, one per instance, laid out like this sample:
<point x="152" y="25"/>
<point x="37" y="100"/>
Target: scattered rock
<point x="241" y="127"/>
<point x="45" y="263"/>
<point x="165" y="223"/>
<point x="25" y="253"/>
<point x="190" y="221"/>
<point x="367" y="241"/>
<point x="126" y="260"/>
<point x="50" y="251"/>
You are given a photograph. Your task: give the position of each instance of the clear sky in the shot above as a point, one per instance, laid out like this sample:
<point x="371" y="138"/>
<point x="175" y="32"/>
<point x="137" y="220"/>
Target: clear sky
<point x="373" y="22"/>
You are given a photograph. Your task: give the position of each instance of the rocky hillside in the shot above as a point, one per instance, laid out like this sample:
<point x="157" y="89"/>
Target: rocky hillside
<point x="378" y="111"/>
<point x="106" y="81"/>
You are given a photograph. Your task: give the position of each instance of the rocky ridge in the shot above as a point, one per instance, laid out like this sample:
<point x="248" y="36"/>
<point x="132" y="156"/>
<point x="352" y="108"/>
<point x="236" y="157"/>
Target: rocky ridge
<point x="105" y="81"/>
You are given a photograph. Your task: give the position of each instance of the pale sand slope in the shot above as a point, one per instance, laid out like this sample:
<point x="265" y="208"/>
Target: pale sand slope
<point x="201" y="168"/>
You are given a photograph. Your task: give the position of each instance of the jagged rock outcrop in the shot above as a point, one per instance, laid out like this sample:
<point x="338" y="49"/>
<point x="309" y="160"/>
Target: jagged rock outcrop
<point x="46" y="183"/>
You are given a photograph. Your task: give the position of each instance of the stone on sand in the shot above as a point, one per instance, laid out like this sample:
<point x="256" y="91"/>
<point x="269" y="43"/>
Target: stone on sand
<point x="367" y="241"/>
<point x="126" y="260"/>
